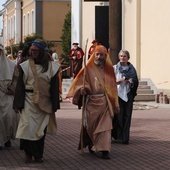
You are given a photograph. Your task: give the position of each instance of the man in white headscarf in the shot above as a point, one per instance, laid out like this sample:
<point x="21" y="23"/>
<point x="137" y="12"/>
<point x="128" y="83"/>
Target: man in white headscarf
<point x="8" y="117"/>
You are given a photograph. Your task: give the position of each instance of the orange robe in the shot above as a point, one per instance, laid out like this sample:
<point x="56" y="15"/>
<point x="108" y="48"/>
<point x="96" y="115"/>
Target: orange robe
<point x="101" y="99"/>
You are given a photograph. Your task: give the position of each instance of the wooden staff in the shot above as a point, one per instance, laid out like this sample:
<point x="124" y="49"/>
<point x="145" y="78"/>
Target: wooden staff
<point x="83" y="99"/>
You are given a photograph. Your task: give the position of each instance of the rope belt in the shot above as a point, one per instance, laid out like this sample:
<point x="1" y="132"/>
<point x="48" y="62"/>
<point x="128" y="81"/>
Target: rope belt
<point x="87" y="99"/>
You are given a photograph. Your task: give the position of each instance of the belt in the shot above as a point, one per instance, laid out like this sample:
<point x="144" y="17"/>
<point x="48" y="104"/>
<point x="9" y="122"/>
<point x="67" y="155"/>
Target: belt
<point x="29" y="90"/>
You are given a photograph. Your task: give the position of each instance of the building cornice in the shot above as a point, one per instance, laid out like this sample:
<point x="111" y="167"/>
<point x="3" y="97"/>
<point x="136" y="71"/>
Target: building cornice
<point x="8" y="2"/>
<point x="53" y="0"/>
<point x="26" y="5"/>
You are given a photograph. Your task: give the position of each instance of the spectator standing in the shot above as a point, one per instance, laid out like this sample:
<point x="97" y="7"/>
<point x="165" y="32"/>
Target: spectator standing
<point x="127" y="84"/>
<point x="76" y="57"/>
<point x="92" y="47"/>
<point x="19" y="57"/>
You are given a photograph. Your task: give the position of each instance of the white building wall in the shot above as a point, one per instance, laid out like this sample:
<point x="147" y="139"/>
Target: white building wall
<point x="129" y="30"/>
<point x="76" y="21"/>
<point x="155" y="41"/>
<point x="88" y="26"/>
<point x="147" y="38"/>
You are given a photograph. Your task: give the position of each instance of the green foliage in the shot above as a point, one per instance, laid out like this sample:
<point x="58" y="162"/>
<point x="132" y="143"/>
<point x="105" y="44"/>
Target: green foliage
<point x="32" y="37"/>
<point x="24" y="45"/>
<point x="14" y="49"/>
<point x="66" y="37"/>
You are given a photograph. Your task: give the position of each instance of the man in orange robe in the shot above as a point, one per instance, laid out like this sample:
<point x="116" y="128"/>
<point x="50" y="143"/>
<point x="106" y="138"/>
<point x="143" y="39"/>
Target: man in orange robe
<point x="96" y="82"/>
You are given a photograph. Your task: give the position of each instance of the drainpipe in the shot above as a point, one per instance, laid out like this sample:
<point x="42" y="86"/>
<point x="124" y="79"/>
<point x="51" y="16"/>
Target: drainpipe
<point x="81" y="21"/>
<point x="138" y="38"/>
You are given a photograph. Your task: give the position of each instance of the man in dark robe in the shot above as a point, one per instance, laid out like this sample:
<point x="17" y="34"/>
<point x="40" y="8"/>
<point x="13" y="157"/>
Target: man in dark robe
<point x="76" y="57"/>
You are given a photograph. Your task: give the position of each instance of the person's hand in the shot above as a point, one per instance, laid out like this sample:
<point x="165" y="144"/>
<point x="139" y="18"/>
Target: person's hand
<point x="118" y="81"/>
<point x="83" y="91"/>
<point x="9" y="92"/>
<point x="16" y="111"/>
<point x="117" y="110"/>
<point x="74" y="57"/>
<point x="129" y="80"/>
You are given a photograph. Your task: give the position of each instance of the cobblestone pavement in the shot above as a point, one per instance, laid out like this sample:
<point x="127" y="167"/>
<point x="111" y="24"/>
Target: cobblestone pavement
<point x="149" y="147"/>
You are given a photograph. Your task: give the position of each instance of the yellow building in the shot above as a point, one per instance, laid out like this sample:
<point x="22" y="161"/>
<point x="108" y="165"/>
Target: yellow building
<point x="25" y="17"/>
<point x="145" y="29"/>
<point x="145" y="34"/>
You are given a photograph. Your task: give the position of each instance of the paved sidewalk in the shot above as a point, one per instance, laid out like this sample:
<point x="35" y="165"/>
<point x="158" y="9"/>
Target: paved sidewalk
<point x="149" y="147"/>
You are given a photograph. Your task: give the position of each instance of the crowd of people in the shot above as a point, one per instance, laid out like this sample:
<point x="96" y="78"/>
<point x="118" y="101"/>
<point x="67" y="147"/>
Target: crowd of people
<point x="30" y="94"/>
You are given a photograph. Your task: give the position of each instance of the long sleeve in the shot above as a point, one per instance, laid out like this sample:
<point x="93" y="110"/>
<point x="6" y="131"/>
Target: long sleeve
<point x="19" y="97"/>
<point x="54" y="92"/>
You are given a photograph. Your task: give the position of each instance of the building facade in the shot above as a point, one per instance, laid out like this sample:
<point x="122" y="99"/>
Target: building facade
<point x="145" y="29"/>
<point x="25" y="17"/>
<point x="145" y="34"/>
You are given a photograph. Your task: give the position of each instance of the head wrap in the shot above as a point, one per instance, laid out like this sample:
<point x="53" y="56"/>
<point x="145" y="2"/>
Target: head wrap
<point x="6" y="66"/>
<point x="55" y="57"/>
<point x="75" y="43"/>
<point x="94" y="41"/>
<point x="100" y="48"/>
<point x="40" y="45"/>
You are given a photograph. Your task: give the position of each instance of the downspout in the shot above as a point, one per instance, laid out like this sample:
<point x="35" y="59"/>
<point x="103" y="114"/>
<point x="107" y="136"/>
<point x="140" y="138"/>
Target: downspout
<point x="123" y="41"/>
<point x="138" y="38"/>
<point x="81" y="21"/>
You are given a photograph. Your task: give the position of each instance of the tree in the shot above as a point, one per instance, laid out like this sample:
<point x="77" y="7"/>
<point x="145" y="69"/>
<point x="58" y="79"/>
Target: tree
<point x="66" y="37"/>
<point x="14" y="48"/>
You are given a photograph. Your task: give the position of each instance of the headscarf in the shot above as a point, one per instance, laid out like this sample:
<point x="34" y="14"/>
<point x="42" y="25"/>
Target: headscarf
<point x="40" y="45"/>
<point x="6" y="66"/>
<point x="55" y="57"/>
<point x="109" y="75"/>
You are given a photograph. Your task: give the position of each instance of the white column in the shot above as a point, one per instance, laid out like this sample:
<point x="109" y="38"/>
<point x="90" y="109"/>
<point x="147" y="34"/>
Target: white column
<point x="17" y="22"/>
<point x="76" y="21"/>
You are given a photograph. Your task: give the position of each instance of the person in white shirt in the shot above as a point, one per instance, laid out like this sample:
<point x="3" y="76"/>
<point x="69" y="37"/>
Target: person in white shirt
<point x="127" y="84"/>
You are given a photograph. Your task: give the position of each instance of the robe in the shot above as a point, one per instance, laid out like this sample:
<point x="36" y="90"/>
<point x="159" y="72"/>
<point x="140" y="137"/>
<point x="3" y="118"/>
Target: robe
<point x="36" y="117"/>
<point x="100" y="102"/>
<point x="8" y="117"/>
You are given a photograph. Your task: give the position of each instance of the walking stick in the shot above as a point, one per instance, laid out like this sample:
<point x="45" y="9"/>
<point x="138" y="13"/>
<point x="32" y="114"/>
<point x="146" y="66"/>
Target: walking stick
<point x="83" y="99"/>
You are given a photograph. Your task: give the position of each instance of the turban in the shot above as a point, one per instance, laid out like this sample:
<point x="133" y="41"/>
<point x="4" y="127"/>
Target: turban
<point x="100" y="48"/>
<point x="40" y="45"/>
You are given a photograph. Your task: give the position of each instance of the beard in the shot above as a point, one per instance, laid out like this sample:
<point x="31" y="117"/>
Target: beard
<point x="99" y="62"/>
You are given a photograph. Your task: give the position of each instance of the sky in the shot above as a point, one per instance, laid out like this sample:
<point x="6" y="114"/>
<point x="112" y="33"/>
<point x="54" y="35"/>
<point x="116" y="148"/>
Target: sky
<point x="2" y="2"/>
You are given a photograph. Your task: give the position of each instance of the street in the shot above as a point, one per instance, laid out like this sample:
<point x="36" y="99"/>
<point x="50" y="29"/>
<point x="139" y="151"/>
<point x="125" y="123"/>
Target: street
<point x="149" y="146"/>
